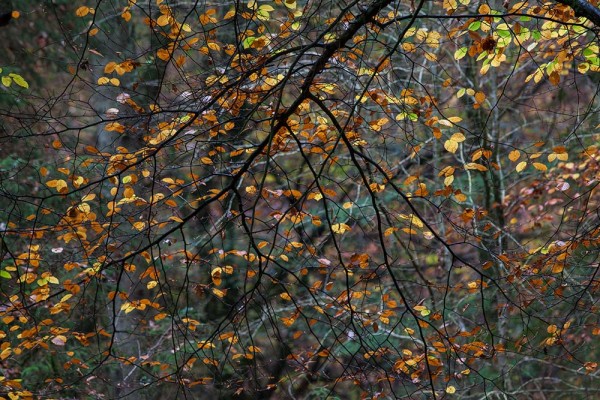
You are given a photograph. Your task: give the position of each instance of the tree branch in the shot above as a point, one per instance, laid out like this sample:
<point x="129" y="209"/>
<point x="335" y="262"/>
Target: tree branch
<point x="583" y="9"/>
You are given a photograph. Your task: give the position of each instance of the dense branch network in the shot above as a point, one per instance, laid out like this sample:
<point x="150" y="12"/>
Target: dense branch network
<point x="301" y="199"/>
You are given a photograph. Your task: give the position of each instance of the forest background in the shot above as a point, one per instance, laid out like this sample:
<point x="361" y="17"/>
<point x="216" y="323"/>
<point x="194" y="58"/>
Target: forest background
<point x="301" y="199"/>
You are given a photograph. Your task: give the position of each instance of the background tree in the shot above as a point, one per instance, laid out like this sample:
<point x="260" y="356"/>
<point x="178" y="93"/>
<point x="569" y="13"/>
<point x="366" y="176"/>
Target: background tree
<point x="300" y="199"/>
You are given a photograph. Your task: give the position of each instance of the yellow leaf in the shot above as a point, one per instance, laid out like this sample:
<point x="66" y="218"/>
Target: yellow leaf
<point x="451" y="145"/>
<point x="205" y="344"/>
<point x="521" y="166"/>
<point x="59" y="184"/>
<point x="540" y="166"/>
<point x="422" y="190"/>
<point x="340" y="228"/>
<point x="476" y="166"/>
<point x="216" y="276"/>
<point x="127" y="307"/>
<point x="424" y="311"/>
<point x="285" y="296"/>
<point x="18" y="79"/>
<point x="266" y="8"/>
<point x="514" y="155"/>
<point x="458" y="137"/>
<point x="450" y="390"/>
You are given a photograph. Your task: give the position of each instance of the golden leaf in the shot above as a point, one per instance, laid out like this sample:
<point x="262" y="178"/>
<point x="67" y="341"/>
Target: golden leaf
<point x="476" y="166"/>
<point x="285" y="296"/>
<point x="340" y="228"/>
<point x="163" y="54"/>
<point x="82" y="11"/>
<point x="451" y="145"/>
<point x="458" y="137"/>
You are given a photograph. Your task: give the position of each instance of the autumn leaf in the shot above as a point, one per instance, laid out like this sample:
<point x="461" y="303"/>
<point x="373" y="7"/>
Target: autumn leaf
<point x="83" y="11"/>
<point x="476" y="166"/>
<point x="340" y="228"/>
<point x="59" y="340"/>
<point x="19" y="80"/>
<point x="59" y="184"/>
<point x="452" y="144"/>
<point x="188" y="189"/>
<point x="514" y="155"/>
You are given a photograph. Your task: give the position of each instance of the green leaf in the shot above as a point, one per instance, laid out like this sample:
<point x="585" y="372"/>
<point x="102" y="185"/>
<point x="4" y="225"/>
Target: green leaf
<point x="460" y="53"/>
<point x="475" y="25"/>
<point x="503" y="33"/>
<point x="248" y="42"/>
<point x="4" y="274"/>
<point x="6" y="81"/>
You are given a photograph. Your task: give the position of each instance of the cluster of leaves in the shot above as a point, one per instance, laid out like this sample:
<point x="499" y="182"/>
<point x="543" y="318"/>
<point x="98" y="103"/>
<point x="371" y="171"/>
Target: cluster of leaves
<point x="295" y="198"/>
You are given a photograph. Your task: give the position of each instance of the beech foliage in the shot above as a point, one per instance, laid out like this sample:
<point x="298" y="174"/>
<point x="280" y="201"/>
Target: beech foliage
<point x="304" y="199"/>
